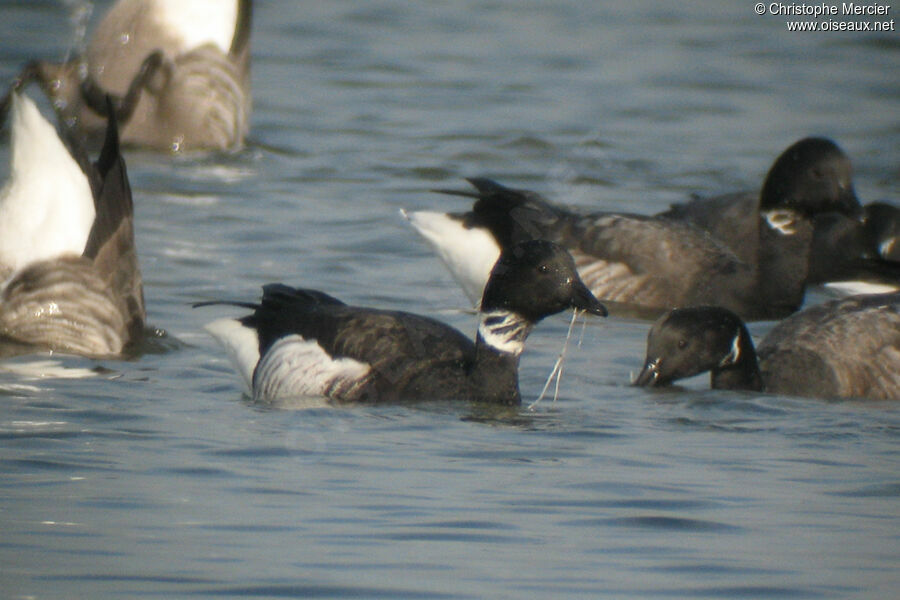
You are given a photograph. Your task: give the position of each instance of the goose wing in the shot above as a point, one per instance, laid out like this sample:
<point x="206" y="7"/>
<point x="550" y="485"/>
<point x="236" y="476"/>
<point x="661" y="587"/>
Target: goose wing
<point x="396" y="347"/>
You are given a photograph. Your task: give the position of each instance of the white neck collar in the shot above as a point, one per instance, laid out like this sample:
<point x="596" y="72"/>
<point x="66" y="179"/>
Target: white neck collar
<point x="784" y="221"/>
<point x="504" y="331"/>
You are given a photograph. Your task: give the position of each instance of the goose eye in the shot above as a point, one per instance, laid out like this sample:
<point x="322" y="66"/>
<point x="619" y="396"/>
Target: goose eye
<point x="682" y="344"/>
<point x="544" y="268"/>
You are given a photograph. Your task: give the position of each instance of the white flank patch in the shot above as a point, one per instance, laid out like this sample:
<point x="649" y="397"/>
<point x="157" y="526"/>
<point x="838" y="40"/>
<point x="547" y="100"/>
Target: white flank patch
<point x="241" y="343"/>
<point x="782" y="221"/>
<point x="887" y="246"/>
<point x="853" y="288"/>
<point x="199" y="22"/>
<point x="46" y="207"/>
<point x="469" y="254"/>
<point x="504" y="331"/>
<point x="296" y="368"/>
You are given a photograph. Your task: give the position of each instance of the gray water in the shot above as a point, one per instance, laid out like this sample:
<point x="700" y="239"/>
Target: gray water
<point x="158" y="477"/>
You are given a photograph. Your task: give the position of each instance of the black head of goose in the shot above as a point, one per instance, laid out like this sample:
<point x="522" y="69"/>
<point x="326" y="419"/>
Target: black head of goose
<point x="304" y="343"/>
<point x="71" y="278"/>
<point x="847" y="348"/>
<point x="810" y="182"/>
<point x="688" y="341"/>
<point x="639" y="264"/>
<point x="813" y="176"/>
<point x="850" y="241"/>
<point x="178" y="71"/>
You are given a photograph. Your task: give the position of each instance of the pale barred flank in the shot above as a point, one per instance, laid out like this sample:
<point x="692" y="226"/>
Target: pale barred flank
<point x="220" y="105"/>
<point x="614" y="281"/>
<point x="872" y="370"/>
<point x="296" y="368"/>
<point x="63" y="305"/>
<point x="196" y="101"/>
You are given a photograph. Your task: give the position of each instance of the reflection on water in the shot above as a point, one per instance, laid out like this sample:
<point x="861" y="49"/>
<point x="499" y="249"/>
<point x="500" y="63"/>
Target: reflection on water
<point x="158" y="476"/>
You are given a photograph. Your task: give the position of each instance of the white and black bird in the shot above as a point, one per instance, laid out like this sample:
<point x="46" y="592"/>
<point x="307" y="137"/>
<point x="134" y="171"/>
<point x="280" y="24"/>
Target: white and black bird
<point x="178" y="72"/>
<point x="303" y="343"/>
<point x="640" y="263"/>
<point x="847" y="348"/>
<point x="812" y="176"/>
<point x="71" y="280"/>
<point x="749" y="252"/>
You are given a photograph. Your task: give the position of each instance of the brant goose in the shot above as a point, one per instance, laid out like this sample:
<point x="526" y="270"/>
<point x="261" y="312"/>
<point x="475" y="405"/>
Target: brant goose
<point x="71" y="281"/>
<point x="844" y="348"/>
<point x="643" y="264"/>
<point x="178" y="70"/>
<point x="813" y="177"/>
<point x="302" y="343"/>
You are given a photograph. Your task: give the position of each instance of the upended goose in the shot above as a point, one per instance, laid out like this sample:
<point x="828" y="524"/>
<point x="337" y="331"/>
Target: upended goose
<point x="847" y="348"/>
<point x="71" y="281"/>
<point x="179" y="72"/>
<point x="638" y="262"/>
<point x="301" y="343"/>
